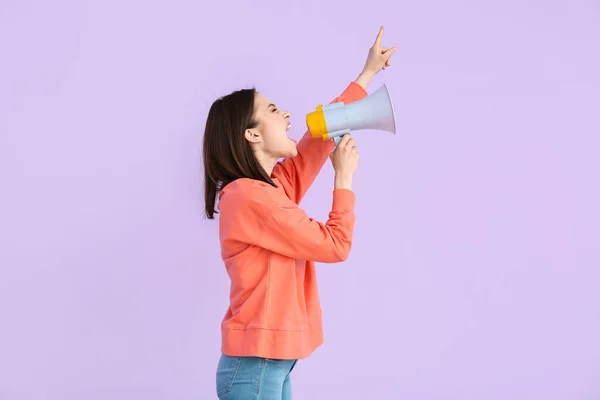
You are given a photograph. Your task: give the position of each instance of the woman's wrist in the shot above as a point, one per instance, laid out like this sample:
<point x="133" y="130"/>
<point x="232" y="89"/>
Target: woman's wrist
<point x="365" y="78"/>
<point x="342" y="181"/>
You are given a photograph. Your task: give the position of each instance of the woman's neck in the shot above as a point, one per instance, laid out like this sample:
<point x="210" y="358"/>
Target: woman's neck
<point x="267" y="162"/>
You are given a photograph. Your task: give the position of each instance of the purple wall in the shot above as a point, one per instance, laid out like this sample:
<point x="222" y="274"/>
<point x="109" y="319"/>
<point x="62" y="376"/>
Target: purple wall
<point x="475" y="272"/>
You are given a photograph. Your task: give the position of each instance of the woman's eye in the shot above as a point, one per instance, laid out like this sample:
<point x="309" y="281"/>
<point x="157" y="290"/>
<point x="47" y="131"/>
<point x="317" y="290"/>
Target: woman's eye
<point x="274" y="109"/>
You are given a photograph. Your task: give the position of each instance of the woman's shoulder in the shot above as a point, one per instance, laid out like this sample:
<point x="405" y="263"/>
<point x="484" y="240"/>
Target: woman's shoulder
<point x="244" y="187"/>
<point x="245" y="191"/>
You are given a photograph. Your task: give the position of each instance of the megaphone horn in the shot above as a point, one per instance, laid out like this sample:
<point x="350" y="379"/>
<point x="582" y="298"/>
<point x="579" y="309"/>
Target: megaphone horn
<point x="333" y="121"/>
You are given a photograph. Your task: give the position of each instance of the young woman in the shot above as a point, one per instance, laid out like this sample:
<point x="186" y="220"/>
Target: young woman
<point x="269" y="245"/>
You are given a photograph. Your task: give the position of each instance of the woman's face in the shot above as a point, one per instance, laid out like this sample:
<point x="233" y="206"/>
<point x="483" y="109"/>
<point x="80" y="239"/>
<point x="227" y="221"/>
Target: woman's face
<point x="270" y="136"/>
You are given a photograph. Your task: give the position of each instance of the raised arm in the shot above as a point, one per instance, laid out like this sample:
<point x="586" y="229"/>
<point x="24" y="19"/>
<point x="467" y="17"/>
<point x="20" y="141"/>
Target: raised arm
<point x="298" y="173"/>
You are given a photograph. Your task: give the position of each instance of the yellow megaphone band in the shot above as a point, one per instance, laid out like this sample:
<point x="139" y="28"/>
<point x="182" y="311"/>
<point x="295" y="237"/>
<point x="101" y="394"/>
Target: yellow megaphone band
<point x="316" y="123"/>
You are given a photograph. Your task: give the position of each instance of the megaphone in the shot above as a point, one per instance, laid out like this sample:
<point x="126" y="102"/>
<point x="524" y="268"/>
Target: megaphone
<point x="333" y="121"/>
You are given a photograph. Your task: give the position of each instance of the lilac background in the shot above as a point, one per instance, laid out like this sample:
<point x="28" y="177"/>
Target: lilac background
<point x="475" y="270"/>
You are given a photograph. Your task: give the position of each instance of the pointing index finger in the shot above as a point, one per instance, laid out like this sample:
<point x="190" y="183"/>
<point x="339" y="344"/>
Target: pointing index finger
<point x="379" y="37"/>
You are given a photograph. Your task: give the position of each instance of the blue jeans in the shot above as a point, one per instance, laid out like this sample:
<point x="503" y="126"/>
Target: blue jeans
<point x="245" y="378"/>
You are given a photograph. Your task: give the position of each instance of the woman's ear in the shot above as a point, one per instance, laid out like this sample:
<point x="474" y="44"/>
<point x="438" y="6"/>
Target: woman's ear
<point x="253" y="136"/>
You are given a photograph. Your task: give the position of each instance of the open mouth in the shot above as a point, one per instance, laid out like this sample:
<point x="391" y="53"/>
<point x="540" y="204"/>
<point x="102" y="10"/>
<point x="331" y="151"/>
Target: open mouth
<point x="287" y="130"/>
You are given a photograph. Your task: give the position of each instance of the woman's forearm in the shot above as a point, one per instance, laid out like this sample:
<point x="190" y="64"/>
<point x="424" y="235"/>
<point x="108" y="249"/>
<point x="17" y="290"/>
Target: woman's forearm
<point x="342" y="181"/>
<point x="364" y="79"/>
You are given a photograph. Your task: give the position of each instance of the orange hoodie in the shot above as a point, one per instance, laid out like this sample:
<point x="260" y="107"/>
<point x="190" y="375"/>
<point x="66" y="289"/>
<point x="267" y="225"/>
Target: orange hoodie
<point x="269" y="247"/>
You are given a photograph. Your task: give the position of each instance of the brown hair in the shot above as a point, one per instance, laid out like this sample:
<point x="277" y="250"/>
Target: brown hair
<point x="227" y="155"/>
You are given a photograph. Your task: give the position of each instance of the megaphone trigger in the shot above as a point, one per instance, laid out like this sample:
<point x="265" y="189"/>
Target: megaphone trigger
<point x="336" y="136"/>
<point x="337" y="140"/>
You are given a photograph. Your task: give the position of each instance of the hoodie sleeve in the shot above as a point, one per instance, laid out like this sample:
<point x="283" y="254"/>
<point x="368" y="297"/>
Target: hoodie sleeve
<point x="297" y="174"/>
<point x="272" y="221"/>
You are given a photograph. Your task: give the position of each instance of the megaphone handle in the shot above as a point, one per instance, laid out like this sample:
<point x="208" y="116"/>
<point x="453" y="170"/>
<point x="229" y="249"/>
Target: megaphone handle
<point x="338" y="135"/>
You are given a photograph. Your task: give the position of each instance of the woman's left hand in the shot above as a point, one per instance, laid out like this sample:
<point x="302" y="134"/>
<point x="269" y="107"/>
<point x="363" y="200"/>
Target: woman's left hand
<point x="377" y="60"/>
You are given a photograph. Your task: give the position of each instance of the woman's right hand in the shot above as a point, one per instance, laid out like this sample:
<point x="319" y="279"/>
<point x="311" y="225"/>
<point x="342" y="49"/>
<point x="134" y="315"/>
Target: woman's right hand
<point x="345" y="159"/>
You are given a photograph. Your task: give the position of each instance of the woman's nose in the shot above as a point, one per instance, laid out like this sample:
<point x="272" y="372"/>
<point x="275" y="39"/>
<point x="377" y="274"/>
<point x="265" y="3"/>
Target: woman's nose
<point x="286" y="114"/>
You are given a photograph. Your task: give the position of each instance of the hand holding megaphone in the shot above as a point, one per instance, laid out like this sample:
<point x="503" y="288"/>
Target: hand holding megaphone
<point x="333" y="121"/>
<point x="344" y="160"/>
